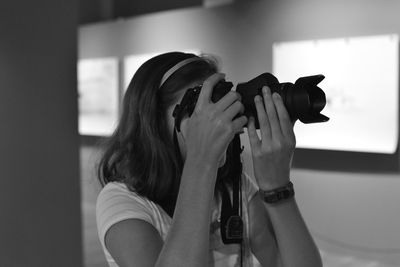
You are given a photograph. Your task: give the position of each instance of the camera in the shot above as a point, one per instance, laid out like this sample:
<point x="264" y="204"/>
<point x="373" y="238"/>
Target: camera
<point x="304" y="100"/>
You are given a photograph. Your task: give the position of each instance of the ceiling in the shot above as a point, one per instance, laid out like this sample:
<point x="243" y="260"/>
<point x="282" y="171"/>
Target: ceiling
<point x="92" y="11"/>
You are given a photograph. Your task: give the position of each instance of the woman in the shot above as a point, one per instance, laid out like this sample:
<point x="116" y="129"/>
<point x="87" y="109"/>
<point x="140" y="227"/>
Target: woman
<point x="160" y="203"/>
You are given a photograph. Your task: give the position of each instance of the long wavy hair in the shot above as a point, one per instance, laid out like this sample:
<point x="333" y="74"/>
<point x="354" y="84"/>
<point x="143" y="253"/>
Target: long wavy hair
<point x="141" y="152"/>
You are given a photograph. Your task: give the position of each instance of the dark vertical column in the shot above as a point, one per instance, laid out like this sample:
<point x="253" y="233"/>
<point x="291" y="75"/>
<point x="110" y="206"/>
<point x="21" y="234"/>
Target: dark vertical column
<point x="40" y="221"/>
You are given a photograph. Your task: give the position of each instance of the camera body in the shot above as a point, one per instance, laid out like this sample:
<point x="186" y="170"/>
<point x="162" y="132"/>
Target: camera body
<point x="304" y="100"/>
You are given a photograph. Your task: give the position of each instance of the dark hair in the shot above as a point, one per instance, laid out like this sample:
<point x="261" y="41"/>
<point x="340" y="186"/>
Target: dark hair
<point x="141" y="153"/>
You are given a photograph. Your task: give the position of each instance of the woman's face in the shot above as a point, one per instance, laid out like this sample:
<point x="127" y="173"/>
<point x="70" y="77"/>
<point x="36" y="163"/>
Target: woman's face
<point x="181" y="136"/>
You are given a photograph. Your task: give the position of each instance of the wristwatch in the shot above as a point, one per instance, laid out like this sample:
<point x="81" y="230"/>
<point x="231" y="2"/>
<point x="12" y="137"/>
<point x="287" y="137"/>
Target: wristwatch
<point x="278" y="194"/>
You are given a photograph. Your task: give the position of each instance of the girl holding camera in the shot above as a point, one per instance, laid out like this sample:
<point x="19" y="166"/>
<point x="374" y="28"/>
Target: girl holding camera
<point x="160" y="205"/>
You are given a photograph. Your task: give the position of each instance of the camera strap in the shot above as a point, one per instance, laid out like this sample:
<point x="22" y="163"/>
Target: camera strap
<point x="231" y="221"/>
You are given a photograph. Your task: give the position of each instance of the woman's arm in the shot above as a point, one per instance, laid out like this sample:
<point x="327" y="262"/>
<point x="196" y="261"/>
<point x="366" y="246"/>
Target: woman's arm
<point x="135" y="242"/>
<point x="262" y="239"/>
<point x="272" y="157"/>
<point x="187" y="242"/>
<point x="296" y="246"/>
<point x="279" y="235"/>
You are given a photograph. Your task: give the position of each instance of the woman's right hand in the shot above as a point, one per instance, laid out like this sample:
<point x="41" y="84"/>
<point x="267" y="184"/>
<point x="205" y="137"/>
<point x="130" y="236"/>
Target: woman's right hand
<point x="211" y="127"/>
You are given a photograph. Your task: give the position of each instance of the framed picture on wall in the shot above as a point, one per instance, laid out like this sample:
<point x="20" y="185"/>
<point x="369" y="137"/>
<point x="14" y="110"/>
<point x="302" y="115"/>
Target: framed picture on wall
<point x="98" y="94"/>
<point x="361" y="86"/>
<point x="133" y="62"/>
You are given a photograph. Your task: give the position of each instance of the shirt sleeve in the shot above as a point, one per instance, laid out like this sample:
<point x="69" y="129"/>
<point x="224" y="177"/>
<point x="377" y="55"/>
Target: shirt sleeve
<point x="116" y="203"/>
<point x="250" y="186"/>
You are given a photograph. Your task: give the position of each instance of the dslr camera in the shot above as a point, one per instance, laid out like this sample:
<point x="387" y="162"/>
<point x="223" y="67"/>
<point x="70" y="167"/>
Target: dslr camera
<point x="304" y="100"/>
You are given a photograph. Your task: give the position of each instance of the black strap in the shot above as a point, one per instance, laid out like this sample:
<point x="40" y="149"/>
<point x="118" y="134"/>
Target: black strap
<point x="237" y="182"/>
<point x="231" y="221"/>
<point x="177" y="149"/>
<point x="236" y="196"/>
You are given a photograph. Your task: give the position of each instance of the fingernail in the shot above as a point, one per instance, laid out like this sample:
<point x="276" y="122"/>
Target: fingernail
<point x="264" y="89"/>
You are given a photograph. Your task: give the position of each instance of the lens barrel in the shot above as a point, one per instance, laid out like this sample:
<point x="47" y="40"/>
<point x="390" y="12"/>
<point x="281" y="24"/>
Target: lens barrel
<point x="304" y="100"/>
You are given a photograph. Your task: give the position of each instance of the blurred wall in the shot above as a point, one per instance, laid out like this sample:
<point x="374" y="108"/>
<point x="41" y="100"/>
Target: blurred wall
<point x="347" y="211"/>
<point x="40" y="221"/>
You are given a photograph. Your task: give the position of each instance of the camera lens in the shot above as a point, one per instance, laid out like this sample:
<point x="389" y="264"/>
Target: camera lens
<point x="304" y="100"/>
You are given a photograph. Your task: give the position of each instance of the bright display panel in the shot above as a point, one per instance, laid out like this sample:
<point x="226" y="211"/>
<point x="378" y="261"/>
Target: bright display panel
<point x="361" y="87"/>
<point x="98" y="96"/>
<point x="133" y="62"/>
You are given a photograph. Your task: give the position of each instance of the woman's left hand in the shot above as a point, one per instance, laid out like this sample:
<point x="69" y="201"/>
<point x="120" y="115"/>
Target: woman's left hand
<point x="272" y="155"/>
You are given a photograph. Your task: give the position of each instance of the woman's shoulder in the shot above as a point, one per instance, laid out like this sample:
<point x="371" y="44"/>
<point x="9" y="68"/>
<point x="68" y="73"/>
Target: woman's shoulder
<point x="116" y="202"/>
<point x="118" y="193"/>
<point x="114" y="187"/>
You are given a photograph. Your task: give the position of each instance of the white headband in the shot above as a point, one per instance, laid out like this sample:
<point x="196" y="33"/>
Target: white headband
<point x="178" y="66"/>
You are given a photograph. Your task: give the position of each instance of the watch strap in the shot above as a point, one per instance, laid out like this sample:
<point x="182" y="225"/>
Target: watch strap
<point x="278" y="194"/>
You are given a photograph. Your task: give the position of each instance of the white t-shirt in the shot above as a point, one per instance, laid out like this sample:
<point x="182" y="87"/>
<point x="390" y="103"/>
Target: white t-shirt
<point x="116" y="203"/>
